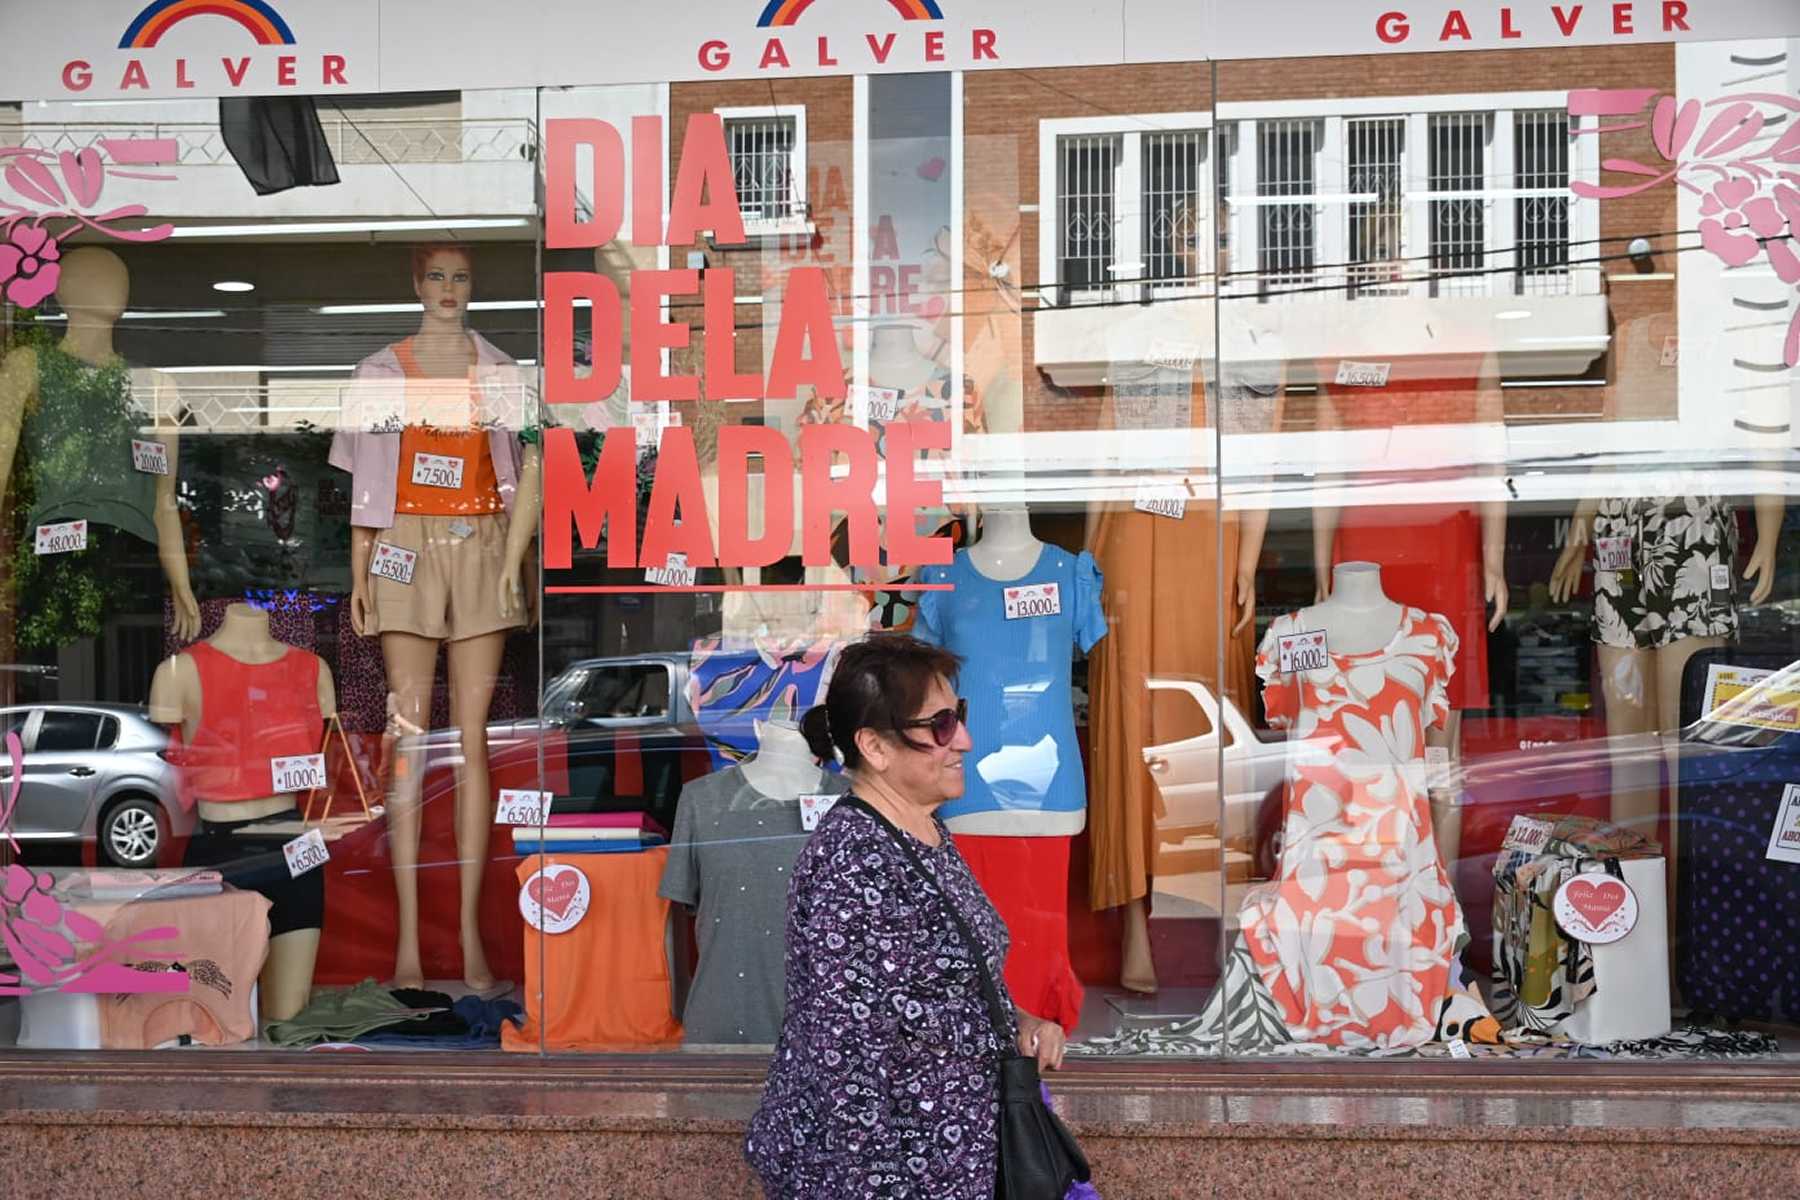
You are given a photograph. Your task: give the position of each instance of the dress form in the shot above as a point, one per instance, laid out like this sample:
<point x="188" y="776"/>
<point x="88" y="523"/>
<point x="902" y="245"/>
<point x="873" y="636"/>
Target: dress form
<point x="176" y="699"/>
<point x="93" y="288"/>
<point x="1357" y="617"/>
<point x="1007" y="549"/>
<point x="783" y="766"/>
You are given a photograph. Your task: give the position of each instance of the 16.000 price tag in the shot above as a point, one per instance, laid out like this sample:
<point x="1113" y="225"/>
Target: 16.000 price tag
<point x="297" y="773"/>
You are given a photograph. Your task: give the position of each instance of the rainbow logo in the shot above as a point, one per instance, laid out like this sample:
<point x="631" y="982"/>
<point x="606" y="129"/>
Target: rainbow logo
<point x="787" y="12"/>
<point x="159" y="16"/>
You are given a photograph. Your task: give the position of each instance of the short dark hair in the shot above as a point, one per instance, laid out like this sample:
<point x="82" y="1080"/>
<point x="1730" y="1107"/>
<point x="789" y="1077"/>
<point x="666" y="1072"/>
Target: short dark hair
<point x="877" y="683"/>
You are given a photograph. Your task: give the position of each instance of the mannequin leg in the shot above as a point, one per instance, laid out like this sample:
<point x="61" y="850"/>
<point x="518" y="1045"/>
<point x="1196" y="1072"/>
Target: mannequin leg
<point x="1446" y="809"/>
<point x="1137" y="969"/>
<point x="286" y="980"/>
<point x="473" y="664"/>
<point x="1629" y="682"/>
<point x="411" y="671"/>
<point x="1671" y="661"/>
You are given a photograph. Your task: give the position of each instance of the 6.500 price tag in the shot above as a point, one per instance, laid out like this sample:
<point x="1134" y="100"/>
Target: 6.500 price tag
<point x="297" y="773"/>
<point x="306" y="853"/>
<point x="521" y="807"/>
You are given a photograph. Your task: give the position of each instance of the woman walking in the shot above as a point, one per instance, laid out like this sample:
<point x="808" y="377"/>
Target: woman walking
<point x="885" y="1082"/>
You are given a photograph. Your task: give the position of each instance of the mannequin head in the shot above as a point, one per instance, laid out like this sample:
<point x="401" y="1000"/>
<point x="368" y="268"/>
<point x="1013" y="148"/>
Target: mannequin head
<point x="93" y="286"/>
<point x="443" y="279"/>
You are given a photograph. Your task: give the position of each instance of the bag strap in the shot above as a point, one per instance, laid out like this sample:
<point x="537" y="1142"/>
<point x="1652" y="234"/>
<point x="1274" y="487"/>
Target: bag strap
<point x="996" y="1010"/>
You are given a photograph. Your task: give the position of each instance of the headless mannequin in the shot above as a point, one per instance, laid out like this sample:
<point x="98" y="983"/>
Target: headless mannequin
<point x="92" y="289"/>
<point x="175" y="698"/>
<point x="443" y="350"/>
<point x="1007" y="549"/>
<point x="783" y="766"/>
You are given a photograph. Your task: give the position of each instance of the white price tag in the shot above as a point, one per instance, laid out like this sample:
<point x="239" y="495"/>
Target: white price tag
<point x="152" y="458"/>
<point x="521" y="807"/>
<point x="460" y="529"/>
<point x="437" y="470"/>
<point x="1360" y="374"/>
<point x="1613" y="553"/>
<point x="813" y="807"/>
<point x="1163" y="498"/>
<point x="1721" y="577"/>
<point x="1784" y="839"/>
<point x="297" y="773"/>
<point x="1032" y="600"/>
<point x="675" y="572"/>
<point x="391" y="562"/>
<point x="306" y="853"/>
<point x="1458" y="1048"/>
<point x="62" y="537"/>
<point x="1528" y="834"/>
<point x="1302" y="652"/>
<point x="1437" y="767"/>
<point x="1173" y="355"/>
<point x="882" y="404"/>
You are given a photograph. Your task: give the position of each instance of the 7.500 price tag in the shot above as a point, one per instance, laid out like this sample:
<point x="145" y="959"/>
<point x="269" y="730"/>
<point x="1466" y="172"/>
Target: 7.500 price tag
<point x="297" y="773"/>
<point x="437" y="470"/>
<point x="521" y="807"/>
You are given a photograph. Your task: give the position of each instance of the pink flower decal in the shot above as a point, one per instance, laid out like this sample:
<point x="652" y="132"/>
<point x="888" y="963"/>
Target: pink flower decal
<point x="28" y="265"/>
<point x="1724" y="218"/>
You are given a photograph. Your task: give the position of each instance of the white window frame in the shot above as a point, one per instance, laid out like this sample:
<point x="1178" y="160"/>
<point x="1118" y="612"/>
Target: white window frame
<point x="1128" y="198"/>
<point x="797" y="219"/>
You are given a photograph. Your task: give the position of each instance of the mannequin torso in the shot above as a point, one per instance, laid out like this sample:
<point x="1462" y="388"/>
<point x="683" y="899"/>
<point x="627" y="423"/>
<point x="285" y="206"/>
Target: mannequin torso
<point x="783" y="767"/>
<point x="1007" y="550"/>
<point x="1357" y="617"/>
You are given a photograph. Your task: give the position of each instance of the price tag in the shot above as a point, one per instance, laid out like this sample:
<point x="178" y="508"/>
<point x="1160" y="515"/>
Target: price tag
<point x="1721" y="577"/>
<point x="1595" y="908"/>
<point x="521" y="807"/>
<point x="1459" y="1048"/>
<point x="1302" y="652"/>
<point x="1437" y="767"/>
<point x="1751" y="696"/>
<point x="391" y="562"/>
<point x="674" y="573"/>
<point x="813" y="807"/>
<point x="152" y="458"/>
<point x="1359" y="374"/>
<point x="883" y="404"/>
<point x="460" y="529"/>
<point x="297" y="773"/>
<point x="1613" y="553"/>
<point x="1528" y="834"/>
<point x="1172" y="355"/>
<point x="306" y="853"/>
<point x="437" y="470"/>
<point x="1032" y="600"/>
<point x="1162" y="498"/>
<point x="1671" y="352"/>
<point x="61" y="538"/>
<point x="1784" y="838"/>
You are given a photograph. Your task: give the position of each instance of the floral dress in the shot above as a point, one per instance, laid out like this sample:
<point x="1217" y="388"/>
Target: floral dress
<point x="1679" y="584"/>
<point x="885" y="1081"/>
<point x="1357" y="936"/>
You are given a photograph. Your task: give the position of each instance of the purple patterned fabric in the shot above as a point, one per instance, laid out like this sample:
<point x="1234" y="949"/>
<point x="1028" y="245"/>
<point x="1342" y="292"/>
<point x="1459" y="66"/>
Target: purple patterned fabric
<point x="885" y="1082"/>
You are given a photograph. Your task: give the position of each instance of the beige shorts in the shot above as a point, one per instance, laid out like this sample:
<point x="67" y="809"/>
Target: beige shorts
<point x="455" y="588"/>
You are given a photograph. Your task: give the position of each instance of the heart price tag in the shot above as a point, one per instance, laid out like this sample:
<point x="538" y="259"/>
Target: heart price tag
<point x="1784" y="838"/>
<point x="306" y="853"/>
<point x="1613" y="553"/>
<point x="1302" y="652"/>
<point x="674" y="573"/>
<point x="520" y="806"/>
<point x="152" y="458"/>
<point x="297" y="773"/>
<point x="881" y="404"/>
<point x="1595" y="908"/>
<point x="1528" y="834"/>
<point x="813" y="807"/>
<point x="393" y="563"/>
<point x="1031" y="600"/>
<point x="1360" y="374"/>
<point x="1163" y="498"/>
<point x="555" y="898"/>
<point x="437" y="471"/>
<point x="62" y="537"/>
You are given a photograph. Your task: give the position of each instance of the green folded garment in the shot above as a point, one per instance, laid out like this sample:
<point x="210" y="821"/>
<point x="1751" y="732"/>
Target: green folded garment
<point x="342" y="1015"/>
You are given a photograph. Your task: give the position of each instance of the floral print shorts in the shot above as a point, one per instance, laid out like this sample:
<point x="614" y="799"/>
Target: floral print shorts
<point x="1664" y="570"/>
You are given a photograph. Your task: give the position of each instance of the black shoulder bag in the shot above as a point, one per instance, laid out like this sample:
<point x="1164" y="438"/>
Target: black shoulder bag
<point x="1039" y="1157"/>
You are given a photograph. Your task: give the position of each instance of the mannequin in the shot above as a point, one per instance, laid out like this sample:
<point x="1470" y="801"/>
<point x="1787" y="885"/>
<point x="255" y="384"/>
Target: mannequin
<point x="1356" y="615"/>
<point x="92" y="289"/>
<point x="1017" y="612"/>
<point x="179" y="698"/>
<point x="468" y="590"/>
<point x="737" y="833"/>
<point x="1439" y="558"/>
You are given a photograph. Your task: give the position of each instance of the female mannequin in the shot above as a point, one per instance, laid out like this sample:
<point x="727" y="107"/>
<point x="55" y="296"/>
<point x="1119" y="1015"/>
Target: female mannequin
<point x="1357" y="616"/>
<point x="222" y="758"/>
<point x="1007" y="548"/>
<point x="783" y="765"/>
<point x="466" y="592"/>
<point x="92" y="290"/>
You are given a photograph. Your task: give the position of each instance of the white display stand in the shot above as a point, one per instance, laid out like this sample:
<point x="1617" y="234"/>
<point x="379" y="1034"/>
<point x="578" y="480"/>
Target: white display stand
<point x="1631" y="976"/>
<point x="71" y="1020"/>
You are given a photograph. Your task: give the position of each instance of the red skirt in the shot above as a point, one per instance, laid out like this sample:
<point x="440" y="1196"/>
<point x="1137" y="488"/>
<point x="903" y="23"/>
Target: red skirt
<point x="1027" y="879"/>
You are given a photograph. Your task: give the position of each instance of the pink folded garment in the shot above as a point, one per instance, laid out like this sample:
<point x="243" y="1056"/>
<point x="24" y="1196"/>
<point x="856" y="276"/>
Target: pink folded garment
<point x="615" y="820"/>
<point x="576" y="833"/>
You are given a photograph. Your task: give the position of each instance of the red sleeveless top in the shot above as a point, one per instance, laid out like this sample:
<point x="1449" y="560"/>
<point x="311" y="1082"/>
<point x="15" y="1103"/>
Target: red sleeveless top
<point x="250" y="713"/>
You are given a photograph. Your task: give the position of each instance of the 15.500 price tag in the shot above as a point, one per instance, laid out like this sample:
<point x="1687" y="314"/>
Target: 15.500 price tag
<point x="297" y="773"/>
<point x="391" y="562"/>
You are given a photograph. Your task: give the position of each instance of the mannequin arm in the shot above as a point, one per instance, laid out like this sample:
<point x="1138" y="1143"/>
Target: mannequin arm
<point x="1565" y="577"/>
<point x="362" y="549"/>
<point x="1769" y="513"/>
<point x="1324" y="519"/>
<point x="171" y="548"/>
<point x="1252" y="526"/>
<point x="1493" y="559"/>
<point x="18" y="383"/>
<point x="327" y="691"/>
<point x="527" y="502"/>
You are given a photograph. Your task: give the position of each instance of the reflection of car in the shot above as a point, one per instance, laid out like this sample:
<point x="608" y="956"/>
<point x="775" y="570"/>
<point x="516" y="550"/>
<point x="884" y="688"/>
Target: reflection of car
<point x="95" y="772"/>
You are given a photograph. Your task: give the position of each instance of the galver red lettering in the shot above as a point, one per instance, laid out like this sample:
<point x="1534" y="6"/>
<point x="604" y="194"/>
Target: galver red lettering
<point x="1391" y="27"/>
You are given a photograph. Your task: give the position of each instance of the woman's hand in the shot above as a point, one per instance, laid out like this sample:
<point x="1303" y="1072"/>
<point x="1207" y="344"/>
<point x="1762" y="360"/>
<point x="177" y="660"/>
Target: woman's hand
<point x="359" y="607"/>
<point x="1043" y="1039"/>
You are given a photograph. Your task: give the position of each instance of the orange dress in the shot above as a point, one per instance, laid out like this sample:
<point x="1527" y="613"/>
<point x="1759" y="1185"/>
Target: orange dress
<point x="440" y="417"/>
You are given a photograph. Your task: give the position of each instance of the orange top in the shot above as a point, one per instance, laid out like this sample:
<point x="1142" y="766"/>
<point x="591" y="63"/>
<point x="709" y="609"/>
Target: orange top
<point x="456" y="476"/>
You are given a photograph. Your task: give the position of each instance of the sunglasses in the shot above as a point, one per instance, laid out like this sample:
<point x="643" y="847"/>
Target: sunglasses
<point x="943" y="723"/>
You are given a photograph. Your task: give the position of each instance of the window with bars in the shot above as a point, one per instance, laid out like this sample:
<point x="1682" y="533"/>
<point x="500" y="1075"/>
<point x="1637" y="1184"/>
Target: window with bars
<point x="767" y="152"/>
<point x="1376" y="206"/>
<point x="1456" y="176"/>
<point x="1286" y="191"/>
<point x="1133" y="210"/>
<point x="1541" y="164"/>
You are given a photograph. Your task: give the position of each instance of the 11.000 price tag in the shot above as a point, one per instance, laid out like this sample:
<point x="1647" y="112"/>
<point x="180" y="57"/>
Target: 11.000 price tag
<point x="297" y="773"/>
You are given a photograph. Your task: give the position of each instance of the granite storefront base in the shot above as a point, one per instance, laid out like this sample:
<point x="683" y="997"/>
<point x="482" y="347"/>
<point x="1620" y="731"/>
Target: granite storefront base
<point x="387" y="1126"/>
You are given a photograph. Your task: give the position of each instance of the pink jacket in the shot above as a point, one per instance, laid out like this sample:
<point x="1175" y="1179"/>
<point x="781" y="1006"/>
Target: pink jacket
<point x="373" y="458"/>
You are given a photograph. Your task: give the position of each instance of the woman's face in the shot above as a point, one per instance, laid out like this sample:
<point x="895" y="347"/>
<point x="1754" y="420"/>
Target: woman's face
<point x="919" y="769"/>
<point x="445" y="286"/>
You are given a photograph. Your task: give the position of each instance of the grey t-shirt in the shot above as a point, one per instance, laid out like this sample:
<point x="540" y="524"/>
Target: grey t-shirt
<point x="730" y="857"/>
